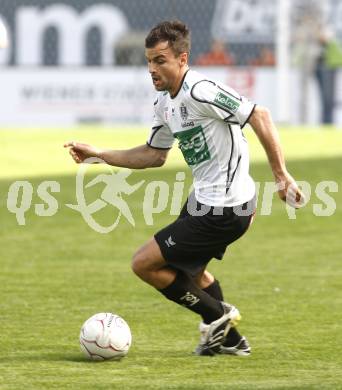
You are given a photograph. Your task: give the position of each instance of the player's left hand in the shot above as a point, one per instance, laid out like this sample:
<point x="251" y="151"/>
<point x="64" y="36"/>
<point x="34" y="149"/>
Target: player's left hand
<point x="289" y="191"/>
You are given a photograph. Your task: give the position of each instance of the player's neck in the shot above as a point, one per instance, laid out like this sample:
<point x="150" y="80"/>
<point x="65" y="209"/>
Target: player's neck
<point x="178" y="82"/>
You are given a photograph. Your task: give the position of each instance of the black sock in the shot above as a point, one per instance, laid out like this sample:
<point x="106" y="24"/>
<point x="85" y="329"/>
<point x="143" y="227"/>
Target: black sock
<point x="233" y="336"/>
<point x="185" y="292"/>
<point x="214" y="290"/>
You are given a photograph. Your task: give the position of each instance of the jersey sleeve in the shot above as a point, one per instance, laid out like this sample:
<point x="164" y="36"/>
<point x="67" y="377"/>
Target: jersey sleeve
<point x="161" y="136"/>
<point x="221" y="102"/>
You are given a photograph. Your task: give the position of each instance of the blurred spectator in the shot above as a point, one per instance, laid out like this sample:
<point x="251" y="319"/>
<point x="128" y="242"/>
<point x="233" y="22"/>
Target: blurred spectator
<point x="329" y="60"/>
<point x="309" y="21"/>
<point x="265" y="58"/>
<point x="3" y="36"/>
<point x="217" y="55"/>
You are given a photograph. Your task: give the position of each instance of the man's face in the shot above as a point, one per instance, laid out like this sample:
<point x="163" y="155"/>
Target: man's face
<point x="165" y="68"/>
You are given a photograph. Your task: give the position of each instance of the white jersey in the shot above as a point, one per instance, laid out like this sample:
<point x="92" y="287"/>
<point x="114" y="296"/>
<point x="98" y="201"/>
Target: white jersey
<point x="207" y="119"/>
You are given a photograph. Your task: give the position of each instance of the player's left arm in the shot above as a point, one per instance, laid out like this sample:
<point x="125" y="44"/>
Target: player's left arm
<point x="265" y="129"/>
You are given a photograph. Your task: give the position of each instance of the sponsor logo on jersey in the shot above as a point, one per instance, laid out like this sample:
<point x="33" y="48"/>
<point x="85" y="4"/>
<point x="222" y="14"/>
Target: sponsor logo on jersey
<point x="183" y="112"/>
<point x="188" y="124"/>
<point x="226" y="102"/>
<point x="193" y="145"/>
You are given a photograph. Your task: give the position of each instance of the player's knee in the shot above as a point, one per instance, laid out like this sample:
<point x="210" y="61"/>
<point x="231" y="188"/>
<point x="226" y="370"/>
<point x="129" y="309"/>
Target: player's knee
<point x="139" y="263"/>
<point x="136" y="263"/>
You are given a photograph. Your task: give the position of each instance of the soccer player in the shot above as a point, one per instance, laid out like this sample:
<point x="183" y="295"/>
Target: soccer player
<point x="207" y="118"/>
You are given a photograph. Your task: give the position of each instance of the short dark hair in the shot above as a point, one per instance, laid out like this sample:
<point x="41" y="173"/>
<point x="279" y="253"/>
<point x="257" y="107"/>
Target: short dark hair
<point x="174" y="32"/>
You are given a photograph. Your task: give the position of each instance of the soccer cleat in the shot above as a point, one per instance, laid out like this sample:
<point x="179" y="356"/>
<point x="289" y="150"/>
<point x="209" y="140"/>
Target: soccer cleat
<point x="241" y="349"/>
<point x="214" y="334"/>
<point x="203" y="328"/>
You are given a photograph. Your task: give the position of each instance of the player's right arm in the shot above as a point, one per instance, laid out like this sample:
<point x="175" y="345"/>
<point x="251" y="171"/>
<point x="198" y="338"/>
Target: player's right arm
<point x="140" y="157"/>
<point x="151" y="155"/>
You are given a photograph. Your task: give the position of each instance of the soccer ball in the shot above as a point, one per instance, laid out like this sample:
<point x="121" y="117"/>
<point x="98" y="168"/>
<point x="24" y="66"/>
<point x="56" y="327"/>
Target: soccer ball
<point x="105" y="336"/>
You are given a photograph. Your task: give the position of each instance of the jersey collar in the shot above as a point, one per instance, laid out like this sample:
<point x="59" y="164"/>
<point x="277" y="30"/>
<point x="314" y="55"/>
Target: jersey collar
<point x="180" y="85"/>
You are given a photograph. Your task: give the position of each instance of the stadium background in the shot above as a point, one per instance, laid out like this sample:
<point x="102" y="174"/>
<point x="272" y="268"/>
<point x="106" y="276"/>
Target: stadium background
<point x="83" y="61"/>
<point x="61" y="79"/>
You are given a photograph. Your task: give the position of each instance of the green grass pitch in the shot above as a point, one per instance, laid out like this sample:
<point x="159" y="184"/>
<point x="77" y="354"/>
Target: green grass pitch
<point x="284" y="275"/>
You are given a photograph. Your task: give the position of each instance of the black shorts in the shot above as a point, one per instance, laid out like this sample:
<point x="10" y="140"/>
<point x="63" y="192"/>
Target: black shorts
<point x="192" y="241"/>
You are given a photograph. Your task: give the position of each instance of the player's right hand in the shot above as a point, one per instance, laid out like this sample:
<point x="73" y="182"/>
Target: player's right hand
<point x="81" y="152"/>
